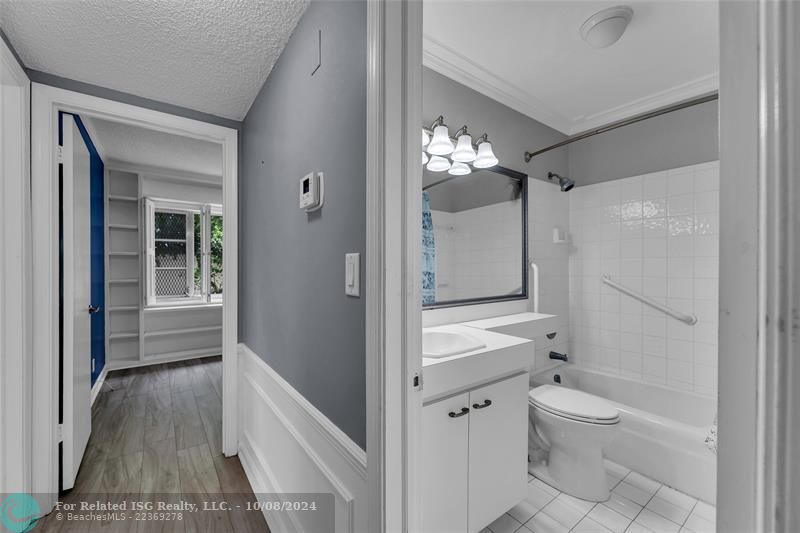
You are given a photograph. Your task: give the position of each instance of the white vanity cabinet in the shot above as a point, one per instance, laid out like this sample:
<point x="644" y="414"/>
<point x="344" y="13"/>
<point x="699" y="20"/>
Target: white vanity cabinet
<point x="474" y="456"/>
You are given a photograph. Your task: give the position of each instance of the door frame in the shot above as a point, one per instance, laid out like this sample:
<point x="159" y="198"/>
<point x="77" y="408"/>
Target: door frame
<point x="393" y="280"/>
<point x="46" y="103"/>
<point x="759" y="423"/>
<point x="15" y="282"/>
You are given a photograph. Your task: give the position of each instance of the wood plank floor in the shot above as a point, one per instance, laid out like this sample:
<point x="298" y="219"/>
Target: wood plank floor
<point x="157" y="434"/>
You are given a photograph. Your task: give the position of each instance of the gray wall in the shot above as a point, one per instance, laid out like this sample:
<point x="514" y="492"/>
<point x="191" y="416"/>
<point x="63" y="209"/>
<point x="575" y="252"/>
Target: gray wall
<point x="677" y="139"/>
<point x="511" y="132"/>
<point x="293" y="311"/>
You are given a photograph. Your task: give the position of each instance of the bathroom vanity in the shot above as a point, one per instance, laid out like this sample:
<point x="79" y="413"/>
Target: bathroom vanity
<point x="474" y="426"/>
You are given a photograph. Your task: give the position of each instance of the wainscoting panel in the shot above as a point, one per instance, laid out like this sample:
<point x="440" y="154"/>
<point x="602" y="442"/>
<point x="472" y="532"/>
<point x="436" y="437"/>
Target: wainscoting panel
<point x="286" y="445"/>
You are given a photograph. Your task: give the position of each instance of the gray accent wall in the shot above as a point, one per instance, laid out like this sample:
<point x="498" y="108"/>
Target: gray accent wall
<point x="677" y="139"/>
<point x="511" y="132"/>
<point x="293" y="312"/>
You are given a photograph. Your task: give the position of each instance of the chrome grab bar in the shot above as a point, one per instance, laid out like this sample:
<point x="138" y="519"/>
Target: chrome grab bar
<point x="686" y="319"/>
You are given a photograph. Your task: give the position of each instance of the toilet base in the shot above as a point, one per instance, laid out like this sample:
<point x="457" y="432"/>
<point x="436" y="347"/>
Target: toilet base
<point x="593" y="492"/>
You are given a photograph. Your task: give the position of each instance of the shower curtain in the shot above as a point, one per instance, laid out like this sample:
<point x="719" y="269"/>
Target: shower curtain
<point x="428" y="253"/>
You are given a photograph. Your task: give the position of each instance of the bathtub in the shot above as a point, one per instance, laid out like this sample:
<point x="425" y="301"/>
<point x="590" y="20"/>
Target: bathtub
<point x="661" y="429"/>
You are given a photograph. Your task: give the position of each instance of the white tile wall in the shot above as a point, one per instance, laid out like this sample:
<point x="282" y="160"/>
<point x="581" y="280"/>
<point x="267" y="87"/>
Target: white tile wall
<point x="548" y="208"/>
<point x="478" y="251"/>
<point x="657" y="234"/>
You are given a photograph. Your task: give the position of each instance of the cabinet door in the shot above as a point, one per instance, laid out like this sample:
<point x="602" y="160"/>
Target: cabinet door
<point x="498" y="448"/>
<point x="444" y="465"/>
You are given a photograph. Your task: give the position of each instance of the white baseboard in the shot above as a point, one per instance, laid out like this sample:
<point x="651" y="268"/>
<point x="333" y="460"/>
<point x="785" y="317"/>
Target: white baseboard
<point x="99" y="383"/>
<point x="287" y="445"/>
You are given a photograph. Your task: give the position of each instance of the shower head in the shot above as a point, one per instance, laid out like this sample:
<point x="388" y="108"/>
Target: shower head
<point x="565" y="183"/>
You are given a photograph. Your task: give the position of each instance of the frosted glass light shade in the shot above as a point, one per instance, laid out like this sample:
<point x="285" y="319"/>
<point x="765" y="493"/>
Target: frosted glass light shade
<point x="438" y="164"/>
<point x="441" y="143"/>
<point x="486" y="157"/>
<point x="424" y="158"/>
<point x="425" y="138"/>
<point x="459" y="169"/>
<point x="464" y="152"/>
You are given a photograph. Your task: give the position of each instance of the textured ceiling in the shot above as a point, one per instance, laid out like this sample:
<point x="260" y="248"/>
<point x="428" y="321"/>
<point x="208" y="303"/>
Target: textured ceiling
<point x="211" y="55"/>
<point x="140" y="146"/>
<point x="530" y="56"/>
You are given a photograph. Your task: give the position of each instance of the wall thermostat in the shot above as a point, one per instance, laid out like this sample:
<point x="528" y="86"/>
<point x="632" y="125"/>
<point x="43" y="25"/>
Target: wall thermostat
<point x="312" y="191"/>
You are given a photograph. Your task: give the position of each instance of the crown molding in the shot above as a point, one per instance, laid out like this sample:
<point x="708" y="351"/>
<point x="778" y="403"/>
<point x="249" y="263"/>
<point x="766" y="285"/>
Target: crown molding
<point x="455" y="66"/>
<point x="685" y="91"/>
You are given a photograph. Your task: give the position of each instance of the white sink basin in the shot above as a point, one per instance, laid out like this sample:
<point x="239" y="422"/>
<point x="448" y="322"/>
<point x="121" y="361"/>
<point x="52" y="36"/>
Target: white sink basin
<point x="437" y="344"/>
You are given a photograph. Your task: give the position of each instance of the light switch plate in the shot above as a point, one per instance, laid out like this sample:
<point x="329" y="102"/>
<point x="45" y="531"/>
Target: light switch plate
<point x="352" y="274"/>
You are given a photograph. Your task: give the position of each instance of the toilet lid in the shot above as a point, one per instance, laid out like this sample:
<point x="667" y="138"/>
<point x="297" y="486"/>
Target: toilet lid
<point x="573" y="404"/>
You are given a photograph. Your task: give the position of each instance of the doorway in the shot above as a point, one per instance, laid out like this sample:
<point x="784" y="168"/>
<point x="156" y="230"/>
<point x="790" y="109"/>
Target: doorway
<point x="53" y="428"/>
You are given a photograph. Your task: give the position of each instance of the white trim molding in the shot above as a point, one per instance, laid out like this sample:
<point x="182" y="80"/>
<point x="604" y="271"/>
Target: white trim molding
<point x="450" y="63"/>
<point x="457" y="67"/>
<point x="16" y="320"/>
<point x="47" y="102"/>
<point x="98" y="384"/>
<point x="394" y="205"/>
<point x="288" y="446"/>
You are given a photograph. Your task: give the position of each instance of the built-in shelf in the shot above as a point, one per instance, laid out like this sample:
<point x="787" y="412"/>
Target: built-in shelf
<point x="123" y="254"/>
<point x="124" y="335"/>
<point x="181" y="331"/>
<point x="129" y="281"/>
<point x="121" y="308"/>
<point x="121" y="198"/>
<point x="124" y="227"/>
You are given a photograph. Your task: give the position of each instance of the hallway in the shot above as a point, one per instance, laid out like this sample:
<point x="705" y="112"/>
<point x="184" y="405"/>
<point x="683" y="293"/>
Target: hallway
<point x="157" y="436"/>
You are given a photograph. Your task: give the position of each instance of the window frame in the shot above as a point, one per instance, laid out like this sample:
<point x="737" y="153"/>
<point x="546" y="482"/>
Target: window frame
<point x="190" y="210"/>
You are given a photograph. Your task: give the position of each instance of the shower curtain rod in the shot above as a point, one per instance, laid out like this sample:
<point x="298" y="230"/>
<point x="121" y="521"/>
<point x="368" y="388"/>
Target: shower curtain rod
<point x="625" y="122"/>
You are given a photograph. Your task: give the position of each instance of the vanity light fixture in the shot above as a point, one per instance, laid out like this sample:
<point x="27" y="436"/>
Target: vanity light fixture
<point x="441" y="143"/>
<point x="486" y="157"/>
<point x="459" y="169"/>
<point x="425" y="138"/>
<point x="464" y="153"/>
<point x="424" y="157"/>
<point x="438" y="164"/>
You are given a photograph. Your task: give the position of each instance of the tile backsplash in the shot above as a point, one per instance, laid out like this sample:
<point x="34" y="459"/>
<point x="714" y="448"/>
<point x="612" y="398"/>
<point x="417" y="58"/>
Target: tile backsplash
<point x="657" y="234"/>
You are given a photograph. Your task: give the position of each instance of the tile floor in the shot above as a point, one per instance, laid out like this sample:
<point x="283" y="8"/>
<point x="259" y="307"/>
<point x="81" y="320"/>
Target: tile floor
<point x="637" y="505"/>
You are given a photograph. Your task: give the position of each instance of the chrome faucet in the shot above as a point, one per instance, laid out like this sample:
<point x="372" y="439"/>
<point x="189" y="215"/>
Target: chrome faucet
<point x="559" y="356"/>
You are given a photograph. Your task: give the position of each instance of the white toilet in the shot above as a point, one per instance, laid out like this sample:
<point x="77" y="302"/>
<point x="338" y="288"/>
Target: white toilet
<point x="575" y="426"/>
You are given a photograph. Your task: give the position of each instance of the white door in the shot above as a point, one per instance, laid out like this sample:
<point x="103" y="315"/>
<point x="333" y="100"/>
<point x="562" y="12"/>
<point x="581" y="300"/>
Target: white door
<point x="443" y="461"/>
<point x="498" y="449"/>
<point x="77" y="423"/>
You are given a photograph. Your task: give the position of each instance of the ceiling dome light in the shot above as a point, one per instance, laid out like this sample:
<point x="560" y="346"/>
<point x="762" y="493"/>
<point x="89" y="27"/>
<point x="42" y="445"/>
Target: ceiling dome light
<point x="605" y="27"/>
<point x="438" y="164"/>
<point x="441" y="143"/>
<point x="464" y="152"/>
<point x="459" y="169"/>
<point x="425" y="138"/>
<point x="486" y="157"/>
<point x="424" y="157"/>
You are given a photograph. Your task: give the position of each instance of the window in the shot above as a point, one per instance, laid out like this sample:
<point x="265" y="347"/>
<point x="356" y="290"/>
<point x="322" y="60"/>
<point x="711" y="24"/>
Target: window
<point x="184" y="252"/>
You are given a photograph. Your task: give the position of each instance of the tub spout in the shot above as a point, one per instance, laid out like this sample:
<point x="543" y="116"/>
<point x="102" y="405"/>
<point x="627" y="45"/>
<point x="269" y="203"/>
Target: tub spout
<point x="559" y="356"/>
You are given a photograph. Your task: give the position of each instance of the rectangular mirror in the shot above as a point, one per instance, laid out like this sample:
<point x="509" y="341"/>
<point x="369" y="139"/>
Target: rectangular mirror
<point x="474" y="237"/>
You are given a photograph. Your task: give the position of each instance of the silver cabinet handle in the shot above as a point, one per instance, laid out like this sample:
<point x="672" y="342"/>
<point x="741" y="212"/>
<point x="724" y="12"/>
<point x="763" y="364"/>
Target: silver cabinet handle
<point x="464" y="410"/>
<point x="93" y="309"/>
<point x="483" y="405"/>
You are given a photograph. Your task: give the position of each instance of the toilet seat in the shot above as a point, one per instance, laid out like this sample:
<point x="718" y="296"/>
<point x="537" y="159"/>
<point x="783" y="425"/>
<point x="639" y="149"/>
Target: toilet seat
<point x="573" y="405"/>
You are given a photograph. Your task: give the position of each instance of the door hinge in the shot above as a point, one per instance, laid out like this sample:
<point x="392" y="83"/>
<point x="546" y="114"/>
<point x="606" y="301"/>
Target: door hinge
<point x="416" y="381"/>
<point x="60" y="433"/>
<point x="60" y="155"/>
